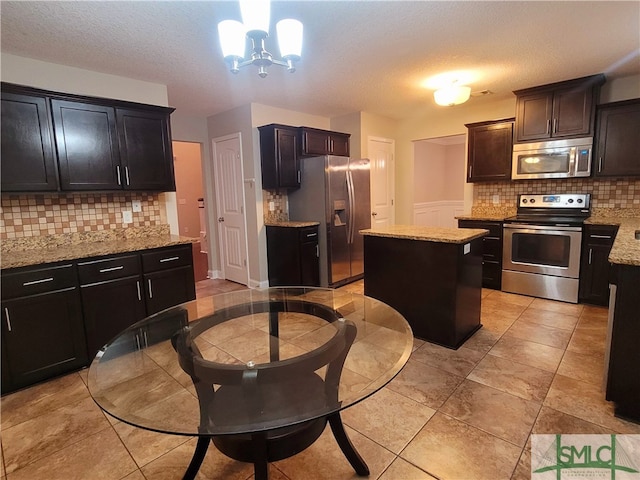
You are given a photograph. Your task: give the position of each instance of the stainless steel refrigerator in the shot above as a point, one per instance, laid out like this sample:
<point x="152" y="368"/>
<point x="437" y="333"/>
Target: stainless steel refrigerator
<point x="335" y="192"/>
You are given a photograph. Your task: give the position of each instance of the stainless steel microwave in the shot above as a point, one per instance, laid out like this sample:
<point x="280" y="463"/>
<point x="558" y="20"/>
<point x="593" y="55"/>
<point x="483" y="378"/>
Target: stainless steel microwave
<point x="552" y="159"/>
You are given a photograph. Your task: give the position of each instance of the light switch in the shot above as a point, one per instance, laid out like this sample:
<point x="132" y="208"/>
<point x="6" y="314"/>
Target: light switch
<point x="136" y="205"/>
<point x="127" y="216"/>
<point x="272" y="206"/>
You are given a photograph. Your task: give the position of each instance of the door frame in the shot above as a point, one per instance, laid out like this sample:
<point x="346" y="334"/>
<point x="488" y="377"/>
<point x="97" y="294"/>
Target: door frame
<point x="216" y="179"/>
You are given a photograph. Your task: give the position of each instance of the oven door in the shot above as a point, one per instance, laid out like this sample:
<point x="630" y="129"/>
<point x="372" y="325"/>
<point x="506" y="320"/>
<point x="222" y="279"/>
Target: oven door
<point x="547" y="250"/>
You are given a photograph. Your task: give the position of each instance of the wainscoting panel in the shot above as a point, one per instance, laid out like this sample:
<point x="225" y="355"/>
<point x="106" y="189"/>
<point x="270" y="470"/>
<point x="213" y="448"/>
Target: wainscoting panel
<point x="438" y="214"/>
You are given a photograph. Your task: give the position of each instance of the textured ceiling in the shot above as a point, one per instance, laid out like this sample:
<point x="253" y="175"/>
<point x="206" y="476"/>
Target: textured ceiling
<point x="357" y="55"/>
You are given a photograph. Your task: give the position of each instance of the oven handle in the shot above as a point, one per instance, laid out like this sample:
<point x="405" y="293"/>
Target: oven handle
<point x="522" y="226"/>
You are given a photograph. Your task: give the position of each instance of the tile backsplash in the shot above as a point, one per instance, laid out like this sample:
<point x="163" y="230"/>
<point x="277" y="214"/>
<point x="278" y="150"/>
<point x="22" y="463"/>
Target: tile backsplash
<point x="613" y="193"/>
<point x="279" y="212"/>
<point x="48" y="214"/>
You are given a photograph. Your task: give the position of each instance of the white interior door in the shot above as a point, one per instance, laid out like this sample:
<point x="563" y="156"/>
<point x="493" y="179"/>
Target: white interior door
<point x="232" y="231"/>
<point x="380" y="152"/>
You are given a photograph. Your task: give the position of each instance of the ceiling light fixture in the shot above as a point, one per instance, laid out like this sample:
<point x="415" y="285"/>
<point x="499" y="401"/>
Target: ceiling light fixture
<point x="451" y="95"/>
<point x="255" y="26"/>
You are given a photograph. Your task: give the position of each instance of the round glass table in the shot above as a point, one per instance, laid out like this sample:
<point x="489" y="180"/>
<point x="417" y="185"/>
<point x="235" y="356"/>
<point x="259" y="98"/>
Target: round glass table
<point x="258" y="373"/>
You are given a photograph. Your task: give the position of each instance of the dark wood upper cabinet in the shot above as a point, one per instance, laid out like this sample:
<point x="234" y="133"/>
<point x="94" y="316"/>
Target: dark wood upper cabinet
<point x="279" y="156"/>
<point x="87" y="143"/>
<point x="617" y="139"/>
<point x="101" y="144"/>
<point x="145" y="150"/>
<point x="314" y="141"/>
<point x="558" y="110"/>
<point x="489" y="150"/>
<point x="28" y="156"/>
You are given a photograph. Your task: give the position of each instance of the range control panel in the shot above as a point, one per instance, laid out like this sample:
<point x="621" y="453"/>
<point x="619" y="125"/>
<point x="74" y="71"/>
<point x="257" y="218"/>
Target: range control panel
<point x="561" y="200"/>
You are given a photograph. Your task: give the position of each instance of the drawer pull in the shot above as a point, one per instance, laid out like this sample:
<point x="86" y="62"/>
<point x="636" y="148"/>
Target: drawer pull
<point x="35" y="282"/>
<point x="6" y="313"/>
<point x="111" y="269"/>
<point x="608" y="237"/>
<point x="150" y="290"/>
<point x="312" y="235"/>
<point x="170" y="259"/>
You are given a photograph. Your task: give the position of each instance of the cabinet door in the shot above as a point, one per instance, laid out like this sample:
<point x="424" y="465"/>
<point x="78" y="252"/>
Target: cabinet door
<point x="28" y="159"/>
<point x="617" y="141"/>
<point x="533" y="116"/>
<point x="572" y="112"/>
<point x="287" y="162"/>
<point x="109" y="308"/>
<point x="87" y="144"/>
<point x="315" y="142"/>
<point x="594" y="276"/>
<point x="309" y="264"/>
<point x="489" y="154"/>
<point x="339" y="145"/>
<point x="167" y="288"/>
<point x="145" y="149"/>
<point x="42" y="336"/>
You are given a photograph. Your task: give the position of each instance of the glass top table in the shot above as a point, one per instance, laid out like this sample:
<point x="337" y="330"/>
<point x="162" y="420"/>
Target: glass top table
<point x="259" y="373"/>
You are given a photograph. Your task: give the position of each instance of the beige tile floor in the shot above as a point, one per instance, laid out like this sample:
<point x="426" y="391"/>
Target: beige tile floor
<point x="535" y="367"/>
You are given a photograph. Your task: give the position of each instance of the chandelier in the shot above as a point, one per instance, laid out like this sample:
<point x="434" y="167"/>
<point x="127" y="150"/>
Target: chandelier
<point x="255" y="27"/>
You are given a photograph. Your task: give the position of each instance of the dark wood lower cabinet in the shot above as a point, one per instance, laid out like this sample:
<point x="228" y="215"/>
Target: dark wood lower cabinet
<point x="594" y="264"/>
<point x="491" y="251"/>
<point x="623" y="381"/>
<point x="292" y="254"/>
<point x="42" y="326"/>
<point x="47" y="309"/>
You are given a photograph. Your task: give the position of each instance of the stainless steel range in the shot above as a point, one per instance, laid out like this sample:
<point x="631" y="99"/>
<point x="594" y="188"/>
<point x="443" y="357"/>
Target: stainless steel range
<point x="541" y="254"/>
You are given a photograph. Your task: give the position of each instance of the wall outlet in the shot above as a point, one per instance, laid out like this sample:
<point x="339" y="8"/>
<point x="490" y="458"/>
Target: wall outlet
<point x="496" y="199"/>
<point x="272" y="206"/>
<point x="136" y="205"/>
<point x="127" y="216"/>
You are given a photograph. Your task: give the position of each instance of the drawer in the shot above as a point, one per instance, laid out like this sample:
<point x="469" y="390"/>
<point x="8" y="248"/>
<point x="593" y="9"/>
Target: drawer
<point x="167" y="258"/>
<point x="36" y="280"/>
<point x="105" y="269"/>
<point x="491" y="249"/>
<point x="600" y="234"/>
<point x="495" y="228"/>
<point x="308" y="234"/>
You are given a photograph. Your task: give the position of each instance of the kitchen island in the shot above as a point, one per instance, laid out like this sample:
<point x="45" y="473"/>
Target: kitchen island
<point x="431" y="275"/>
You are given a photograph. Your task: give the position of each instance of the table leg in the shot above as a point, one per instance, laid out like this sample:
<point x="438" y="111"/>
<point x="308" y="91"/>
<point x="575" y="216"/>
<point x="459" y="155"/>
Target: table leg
<point x="198" y="457"/>
<point x="346" y="446"/>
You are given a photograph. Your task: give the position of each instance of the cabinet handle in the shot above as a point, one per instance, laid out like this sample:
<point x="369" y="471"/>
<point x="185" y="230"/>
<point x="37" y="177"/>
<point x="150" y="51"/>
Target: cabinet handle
<point x="548" y="126"/>
<point x="317" y="251"/>
<point x="590" y="252"/>
<point x="312" y="235"/>
<point x="6" y="313"/>
<point x="126" y="175"/>
<point x="555" y="125"/>
<point x="138" y="341"/>
<point x="118" y="172"/>
<point x="169" y="259"/>
<point x="138" y="287"/>
<point x="34" y="282"/>
<point x="150" y="290"/>
<point x="146" y="341"/>
<point x="298" y="176"/>
<point x="111" y="269"/>
<point x="600" y="164"/>
<point x="608" y="237"/>
<point x="471" y="170"/>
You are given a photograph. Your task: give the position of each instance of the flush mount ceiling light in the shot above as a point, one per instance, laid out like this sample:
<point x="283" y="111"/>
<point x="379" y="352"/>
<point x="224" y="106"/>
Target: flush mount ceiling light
<point x="451" y="95"/>
<point x="255" y="26"/>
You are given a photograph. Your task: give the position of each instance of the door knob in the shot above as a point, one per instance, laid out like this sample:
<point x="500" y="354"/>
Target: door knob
<point x="221" y="219"/>
<point x="373" y="214"/>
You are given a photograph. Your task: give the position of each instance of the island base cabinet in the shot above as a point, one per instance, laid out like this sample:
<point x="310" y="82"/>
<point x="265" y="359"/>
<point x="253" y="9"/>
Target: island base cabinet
<point x="42" y="336"/>
<point x="437" y="287"/>
<point x="623" y="354"/>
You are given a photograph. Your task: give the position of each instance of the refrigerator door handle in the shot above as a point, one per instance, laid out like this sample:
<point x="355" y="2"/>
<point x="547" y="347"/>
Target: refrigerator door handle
<point x="352" y="206"/>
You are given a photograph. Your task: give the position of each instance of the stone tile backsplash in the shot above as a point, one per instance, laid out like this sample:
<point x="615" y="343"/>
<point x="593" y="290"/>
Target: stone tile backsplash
<point x="279" y="199"/>
<point x="50" y="214"/>
<point x="613" y="193"/>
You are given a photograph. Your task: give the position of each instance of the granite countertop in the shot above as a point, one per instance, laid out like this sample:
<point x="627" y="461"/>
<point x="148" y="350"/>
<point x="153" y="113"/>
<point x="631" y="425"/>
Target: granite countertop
<point x="56" y="248"/>
<point x="626" y="249"/>
<point x="289" y="224"/>
<point x="427" y="234"/>
<point x="489" y="213"/>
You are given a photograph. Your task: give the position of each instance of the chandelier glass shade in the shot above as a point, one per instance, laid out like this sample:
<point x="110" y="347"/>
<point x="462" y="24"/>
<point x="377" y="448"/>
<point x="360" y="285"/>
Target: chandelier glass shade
<point x="255" y="27"/>
<point x="452" y="95"/>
